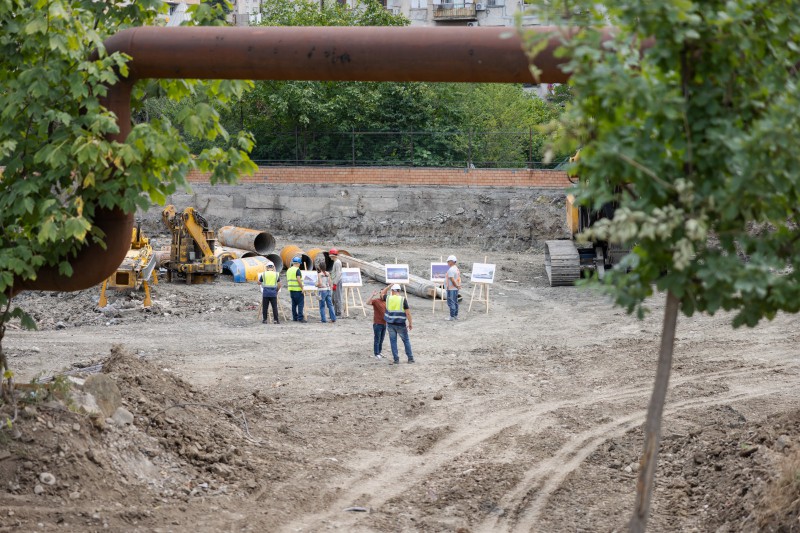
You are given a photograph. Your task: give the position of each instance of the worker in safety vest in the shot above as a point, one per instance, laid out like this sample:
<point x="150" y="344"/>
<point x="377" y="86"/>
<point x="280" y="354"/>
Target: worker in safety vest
<point x="397" y="316"/>
<point x="294" y="279"/>
<point x="270" y="285"/>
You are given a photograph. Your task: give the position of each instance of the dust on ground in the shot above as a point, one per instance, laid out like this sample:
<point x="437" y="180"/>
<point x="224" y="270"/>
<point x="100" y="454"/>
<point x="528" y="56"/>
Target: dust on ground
<point x="525" y="418"/>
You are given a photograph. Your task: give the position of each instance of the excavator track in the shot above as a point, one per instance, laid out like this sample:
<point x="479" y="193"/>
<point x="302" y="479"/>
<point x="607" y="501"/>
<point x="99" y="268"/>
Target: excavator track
<point x="562" y="262"/>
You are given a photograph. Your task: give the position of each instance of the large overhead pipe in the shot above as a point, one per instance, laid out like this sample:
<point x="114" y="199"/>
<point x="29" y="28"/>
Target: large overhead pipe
<point x="491" y="55"/>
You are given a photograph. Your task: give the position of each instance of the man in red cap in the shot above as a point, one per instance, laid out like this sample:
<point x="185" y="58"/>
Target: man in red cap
<point x="336" y="279"/>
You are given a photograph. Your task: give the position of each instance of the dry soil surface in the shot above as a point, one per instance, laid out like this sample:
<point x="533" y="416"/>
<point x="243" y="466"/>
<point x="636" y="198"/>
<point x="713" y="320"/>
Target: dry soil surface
<point x="525" y="418"/>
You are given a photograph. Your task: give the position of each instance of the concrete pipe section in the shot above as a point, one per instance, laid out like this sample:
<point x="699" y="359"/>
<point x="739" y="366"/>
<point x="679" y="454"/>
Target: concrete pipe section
<point x="484" y="55"/>
<point x="290" y="251"/>
<point x="256" y="241"/>
<point x="318" y="256"/>
<point x="276" y="260"/>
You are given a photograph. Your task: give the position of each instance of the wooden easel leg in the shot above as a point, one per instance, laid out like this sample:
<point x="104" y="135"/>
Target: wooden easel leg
<point x="282" y="309"/>
<point x="472" y="298"/>
<point x="487" y="299"/>
<point x="347" y="295"/>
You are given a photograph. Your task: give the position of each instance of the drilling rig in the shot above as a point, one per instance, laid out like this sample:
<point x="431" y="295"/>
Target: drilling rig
<point x="192" y="251"/>
<point x="136" y="270"/>
<point x="567" y="260"/>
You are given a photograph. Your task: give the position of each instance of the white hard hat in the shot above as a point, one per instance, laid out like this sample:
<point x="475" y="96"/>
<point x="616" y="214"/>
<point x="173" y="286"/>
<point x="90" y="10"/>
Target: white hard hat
<point x="270" y="264"/>
<point x="452" y="258"/>
<point x="396" y="287"/>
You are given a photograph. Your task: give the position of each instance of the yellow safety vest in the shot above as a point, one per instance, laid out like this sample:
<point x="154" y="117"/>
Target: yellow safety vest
<point x="269" y="279"/>
<point x="291" y="279"/>
<point x="395" y="314"/>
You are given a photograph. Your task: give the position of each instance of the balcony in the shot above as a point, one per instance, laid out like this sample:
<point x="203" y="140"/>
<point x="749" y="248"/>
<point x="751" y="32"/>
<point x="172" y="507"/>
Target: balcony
<point x="454" y="11"/>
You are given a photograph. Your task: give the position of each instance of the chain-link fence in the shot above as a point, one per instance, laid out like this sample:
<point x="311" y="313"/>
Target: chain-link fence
<point x="504" y="149"/>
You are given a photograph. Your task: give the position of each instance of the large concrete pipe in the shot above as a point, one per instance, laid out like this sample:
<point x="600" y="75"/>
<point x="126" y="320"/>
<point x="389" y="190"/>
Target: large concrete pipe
<point x="246" y="269"/>
<point x="490" y="55"/>
<point x="277" y="260"/>
<point x="290" y="251"/>
<point x="256" y="241"/>
<point x="318" y="256"/>
<point x="227" y="253"/>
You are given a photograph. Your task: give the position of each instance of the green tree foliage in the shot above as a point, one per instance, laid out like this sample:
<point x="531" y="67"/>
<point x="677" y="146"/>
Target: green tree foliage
<point x="60" y="167"/>
<point x="328" y="13"/>
<point x="695" y="139"/>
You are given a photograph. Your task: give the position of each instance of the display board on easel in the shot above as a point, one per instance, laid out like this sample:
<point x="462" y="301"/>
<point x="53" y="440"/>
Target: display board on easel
<point x="397" y="273"/>
<point x="438" y="277"/>
<point x="351" y="283"/>
<point x="482" y="277"/>
<point x="310" y="278"/>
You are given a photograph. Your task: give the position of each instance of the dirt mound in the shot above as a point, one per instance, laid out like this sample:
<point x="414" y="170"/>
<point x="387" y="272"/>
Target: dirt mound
<point x="728" y="475"/>
<point x="104" y="473"/>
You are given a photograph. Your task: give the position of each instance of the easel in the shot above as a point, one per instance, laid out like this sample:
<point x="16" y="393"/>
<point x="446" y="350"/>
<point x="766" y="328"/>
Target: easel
<point x="350" y="293"/>
<point x="436" y="288"/>
<point x="483" y="292"/>
<point x="310" y="299"/>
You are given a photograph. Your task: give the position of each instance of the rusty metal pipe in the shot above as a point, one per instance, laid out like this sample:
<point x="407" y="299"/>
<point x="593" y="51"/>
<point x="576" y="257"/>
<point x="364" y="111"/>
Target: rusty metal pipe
<point x="333" y="53"/>
<point x="492" y="55"/>
<point x="489" y="55"/>
<point x="254" y="240"/>
<point x="92" y="264"/>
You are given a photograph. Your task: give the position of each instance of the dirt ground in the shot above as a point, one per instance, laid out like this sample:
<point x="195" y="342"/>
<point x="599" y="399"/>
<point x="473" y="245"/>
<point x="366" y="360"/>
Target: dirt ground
<point x="525" y="418"/>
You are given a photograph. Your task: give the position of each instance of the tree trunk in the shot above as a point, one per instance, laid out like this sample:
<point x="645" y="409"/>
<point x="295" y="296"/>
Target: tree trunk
<point x="4" y="318"/>
<point x="652" y="436"/>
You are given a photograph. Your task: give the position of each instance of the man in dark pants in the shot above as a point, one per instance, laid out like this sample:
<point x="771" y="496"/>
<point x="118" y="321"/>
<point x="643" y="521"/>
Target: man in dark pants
<point x="397" y="315"/>
<point x="452" y="283"/>
<point x="378" y="303"/>
<point x="270" y="285"/>
<point x="294" y="279"/>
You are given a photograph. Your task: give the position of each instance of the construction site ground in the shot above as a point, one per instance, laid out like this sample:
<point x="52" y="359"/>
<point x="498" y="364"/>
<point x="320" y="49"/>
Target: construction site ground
<point x="525" y="418"/>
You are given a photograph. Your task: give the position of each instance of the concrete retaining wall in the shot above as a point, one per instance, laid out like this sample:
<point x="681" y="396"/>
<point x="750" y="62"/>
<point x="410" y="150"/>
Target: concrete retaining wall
<point x="516" y="217"/>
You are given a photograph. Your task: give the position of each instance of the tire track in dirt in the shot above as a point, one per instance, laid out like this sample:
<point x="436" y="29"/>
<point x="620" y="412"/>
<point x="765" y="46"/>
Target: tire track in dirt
<point x="529" y="498"/>
<point x="379" y="479"/>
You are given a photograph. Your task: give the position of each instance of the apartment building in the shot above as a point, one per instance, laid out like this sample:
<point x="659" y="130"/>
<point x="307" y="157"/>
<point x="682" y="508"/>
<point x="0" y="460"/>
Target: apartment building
<point x="458" y="13"/>
<point x="421" y="12"/>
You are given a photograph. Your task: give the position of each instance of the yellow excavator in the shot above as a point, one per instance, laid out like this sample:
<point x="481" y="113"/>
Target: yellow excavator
<point x="136" y="270"/>
<point x="566" y="260"/>
<point x="192" y="250"/>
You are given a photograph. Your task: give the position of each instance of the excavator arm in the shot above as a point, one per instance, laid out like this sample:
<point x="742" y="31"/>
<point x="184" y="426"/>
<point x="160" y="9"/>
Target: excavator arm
<point x="191" y="220"/>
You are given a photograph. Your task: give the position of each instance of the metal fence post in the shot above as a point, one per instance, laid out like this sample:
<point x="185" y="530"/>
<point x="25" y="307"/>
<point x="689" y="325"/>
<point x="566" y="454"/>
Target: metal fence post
<point x="530" y="147"/>
<point x="411" y="136"/>
<point x="353" y="147"/>
<point x="469" y="153"/>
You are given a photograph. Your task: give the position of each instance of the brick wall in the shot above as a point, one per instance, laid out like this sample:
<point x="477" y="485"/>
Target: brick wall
<point x="542" y="179"/>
